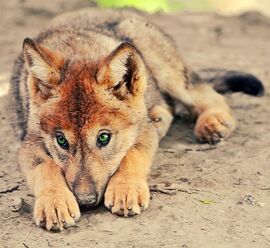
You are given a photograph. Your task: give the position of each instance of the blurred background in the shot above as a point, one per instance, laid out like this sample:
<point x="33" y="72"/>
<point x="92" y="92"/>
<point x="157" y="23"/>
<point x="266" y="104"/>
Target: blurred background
<point x="20" y="18"/>
<point x="225" y="7"/>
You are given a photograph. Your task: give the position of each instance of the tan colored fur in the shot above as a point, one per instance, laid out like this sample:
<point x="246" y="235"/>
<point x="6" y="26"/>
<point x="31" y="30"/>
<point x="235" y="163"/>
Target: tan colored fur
<point x="82" y="77"/>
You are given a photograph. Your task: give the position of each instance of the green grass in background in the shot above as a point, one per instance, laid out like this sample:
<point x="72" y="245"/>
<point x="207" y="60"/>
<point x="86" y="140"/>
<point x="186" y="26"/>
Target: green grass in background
<point x="158" y="5"/>
<point x="226" y="7"/>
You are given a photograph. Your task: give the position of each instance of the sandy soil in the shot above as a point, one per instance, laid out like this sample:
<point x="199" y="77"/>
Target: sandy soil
<point x="205" y="196"/>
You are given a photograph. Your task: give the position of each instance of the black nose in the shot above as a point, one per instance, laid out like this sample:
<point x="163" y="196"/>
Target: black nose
<point x="86" y="200"/>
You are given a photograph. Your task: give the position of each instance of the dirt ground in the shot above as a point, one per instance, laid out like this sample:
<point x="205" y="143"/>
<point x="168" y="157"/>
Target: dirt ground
<point x="205" y="196"/>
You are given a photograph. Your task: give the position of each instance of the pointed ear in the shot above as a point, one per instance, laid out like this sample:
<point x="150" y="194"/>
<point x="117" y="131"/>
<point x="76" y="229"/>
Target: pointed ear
<point x="43" y="66"/>
<point x="124" y="72"/>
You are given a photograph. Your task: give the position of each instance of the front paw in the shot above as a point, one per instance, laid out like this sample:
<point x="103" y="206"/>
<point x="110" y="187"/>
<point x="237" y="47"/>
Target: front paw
<point x="127" y="198"/>
<point x="56" y="210"/>
<point x="213" y="126"/>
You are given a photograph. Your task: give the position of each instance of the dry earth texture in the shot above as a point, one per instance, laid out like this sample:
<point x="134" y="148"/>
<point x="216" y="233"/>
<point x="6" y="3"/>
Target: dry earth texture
<point x="202" y="196"/>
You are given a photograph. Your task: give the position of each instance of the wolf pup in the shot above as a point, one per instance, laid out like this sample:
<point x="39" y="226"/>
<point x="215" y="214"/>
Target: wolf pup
<point x="90" y="94"/>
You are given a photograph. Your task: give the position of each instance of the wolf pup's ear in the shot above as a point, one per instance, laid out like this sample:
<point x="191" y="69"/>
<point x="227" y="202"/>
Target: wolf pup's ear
<point x="124" y="72"/>
<point x="43" y="66"/>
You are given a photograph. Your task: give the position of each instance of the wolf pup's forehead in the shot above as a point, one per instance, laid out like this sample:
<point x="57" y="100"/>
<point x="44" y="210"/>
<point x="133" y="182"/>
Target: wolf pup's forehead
<point x="84" y="103"/>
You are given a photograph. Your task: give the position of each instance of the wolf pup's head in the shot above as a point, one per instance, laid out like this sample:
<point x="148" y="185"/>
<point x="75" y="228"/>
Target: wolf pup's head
<point x="87" y="114"/>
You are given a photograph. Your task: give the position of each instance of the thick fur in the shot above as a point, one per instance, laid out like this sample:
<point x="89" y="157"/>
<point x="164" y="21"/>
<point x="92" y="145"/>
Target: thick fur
<point x="97" y="70"/>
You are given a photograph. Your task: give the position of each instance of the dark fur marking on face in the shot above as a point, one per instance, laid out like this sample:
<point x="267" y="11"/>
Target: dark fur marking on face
<point x="38" y="161"/>
<point x="81" y="150"/>
<point x="46" y="149"/>
<point x="78" y="98"/>
<point x="76" y="115"/>
<point x="62" y="157"/>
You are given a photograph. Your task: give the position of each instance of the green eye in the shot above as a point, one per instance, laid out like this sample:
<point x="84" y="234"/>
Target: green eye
<point x="62" y="141"/>
<point x="103" y="138"/>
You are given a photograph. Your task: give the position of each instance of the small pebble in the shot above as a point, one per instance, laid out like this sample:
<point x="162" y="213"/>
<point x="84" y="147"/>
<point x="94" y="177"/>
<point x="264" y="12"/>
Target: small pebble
<point x="19" y="205"/>
<point x="250" y="200"/>
<point x="16" y="204"/>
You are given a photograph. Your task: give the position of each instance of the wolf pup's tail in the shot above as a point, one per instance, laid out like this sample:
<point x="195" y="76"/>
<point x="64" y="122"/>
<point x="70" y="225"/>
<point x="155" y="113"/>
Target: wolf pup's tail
<point x="230" y="81"/>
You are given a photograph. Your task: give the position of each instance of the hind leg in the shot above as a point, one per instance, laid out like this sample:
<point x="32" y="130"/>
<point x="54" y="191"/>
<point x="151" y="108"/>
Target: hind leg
<point x="215" y="120"/>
